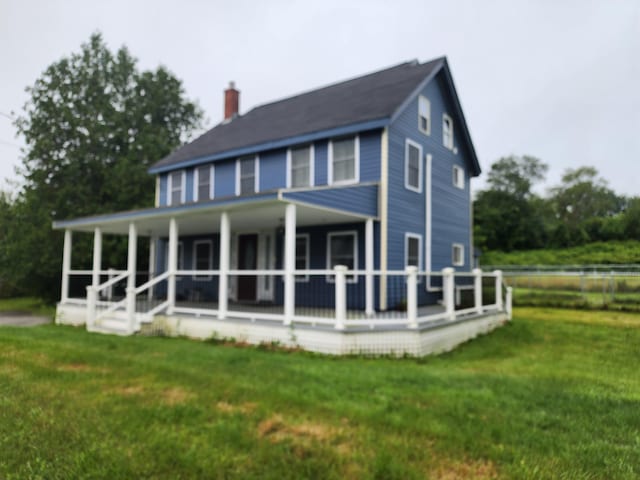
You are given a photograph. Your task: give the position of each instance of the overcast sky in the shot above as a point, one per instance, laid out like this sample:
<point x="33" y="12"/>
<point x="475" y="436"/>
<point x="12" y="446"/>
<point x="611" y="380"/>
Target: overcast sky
<point x="559" y="80"/>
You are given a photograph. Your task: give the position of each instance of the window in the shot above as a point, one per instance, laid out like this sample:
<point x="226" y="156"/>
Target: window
<point x="247" y="175"/>
<point x="412" y="250"/>
<point x="203" y="183"/>
<point x="302" y="256"/>
<point x="447" y="131"/>
<point x="300" y="168"/>
<point x="342" y="250"/>
<point x="458" y="177"/>
<point x="413" y="166"/>
<point x="176" y="187"/>
<point x="343" y="160"/>
<point x="202" y="258"/>
<point x="457" y="255"/>
<point x="424" y="115"/>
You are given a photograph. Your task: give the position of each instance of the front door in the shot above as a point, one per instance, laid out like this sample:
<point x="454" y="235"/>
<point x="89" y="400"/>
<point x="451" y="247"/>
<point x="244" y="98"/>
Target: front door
<point x="247" y="260"/>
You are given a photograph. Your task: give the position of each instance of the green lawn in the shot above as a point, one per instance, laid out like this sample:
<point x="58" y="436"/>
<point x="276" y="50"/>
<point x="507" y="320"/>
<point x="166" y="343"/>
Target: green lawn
<point x="555" y="394"/>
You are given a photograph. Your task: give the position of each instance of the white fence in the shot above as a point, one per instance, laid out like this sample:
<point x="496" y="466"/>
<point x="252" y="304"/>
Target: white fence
<point x="338" y="298"/>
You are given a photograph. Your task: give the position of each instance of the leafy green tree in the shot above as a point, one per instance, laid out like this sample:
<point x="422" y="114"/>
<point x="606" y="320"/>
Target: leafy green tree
<point x="516" y="175"/>
<point x="93" y="125"/>
<point x="582" y="197"/>
<point x="509" y="216"/>
<point x="631" y="219"/>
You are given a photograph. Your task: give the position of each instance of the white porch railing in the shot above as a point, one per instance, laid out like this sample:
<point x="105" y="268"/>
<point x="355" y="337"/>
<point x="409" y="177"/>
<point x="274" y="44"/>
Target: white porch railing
<point x="338" y="298"/>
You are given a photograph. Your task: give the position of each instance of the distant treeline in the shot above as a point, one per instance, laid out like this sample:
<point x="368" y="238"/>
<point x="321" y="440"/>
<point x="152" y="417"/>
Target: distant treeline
<point x="509" y="216"/>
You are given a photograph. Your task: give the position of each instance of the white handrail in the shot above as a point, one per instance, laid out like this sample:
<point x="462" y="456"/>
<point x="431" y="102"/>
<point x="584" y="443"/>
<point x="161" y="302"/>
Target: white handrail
<point x="111" y="282"/>
<point x="151" y="282"/>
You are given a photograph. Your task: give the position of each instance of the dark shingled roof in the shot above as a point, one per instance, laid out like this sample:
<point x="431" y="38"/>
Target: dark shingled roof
<point x="370" y="97"/>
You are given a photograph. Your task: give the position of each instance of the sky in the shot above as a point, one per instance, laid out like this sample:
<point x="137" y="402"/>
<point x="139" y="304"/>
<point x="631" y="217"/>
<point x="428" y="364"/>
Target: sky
<point x="556" y="79"/>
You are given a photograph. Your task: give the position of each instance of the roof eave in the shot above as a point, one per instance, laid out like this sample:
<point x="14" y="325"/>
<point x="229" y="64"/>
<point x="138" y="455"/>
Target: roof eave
<point x="274" y="144"/>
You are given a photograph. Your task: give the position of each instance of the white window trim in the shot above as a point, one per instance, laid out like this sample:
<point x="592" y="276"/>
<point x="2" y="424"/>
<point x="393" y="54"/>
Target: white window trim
<point x="194" y="262"/>
<point x="444" y="118"/>
<point x="312" y="161"/>
<point x="461" y="247"/>
<point x="356" y="169"/>
<point x="183" y="187"/>
<point x="461" y="176"/>
<point x="408" y="186"/>
<point x="256" y="174"/>
<point x="354" y="233"/>
<point x="196" y="181"/>
<point x="307" y="257"/>
<point x="418" y="237"/>
<point x="428" y="117"/>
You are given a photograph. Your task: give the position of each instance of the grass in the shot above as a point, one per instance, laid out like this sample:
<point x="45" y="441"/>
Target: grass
<point x="554" y="394"/>
<point x="27" y="304"/>
<point x="613" y="252"/>
<point x="589" y="292"/>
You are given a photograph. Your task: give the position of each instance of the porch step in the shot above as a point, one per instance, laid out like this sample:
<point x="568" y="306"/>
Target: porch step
<point x="112" y="326"/>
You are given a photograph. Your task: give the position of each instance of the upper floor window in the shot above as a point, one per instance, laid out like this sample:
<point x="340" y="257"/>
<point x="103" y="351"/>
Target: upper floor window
<point x="247" y="175"/>
<point x="413" y="166"/>
<point x="424" y="115"/>
<point x="176" y="188"/>
<point x="344" y="160"/>
<point x="458" y="177"/>
<point x="457" y="254"/>
<point x="412" y="250"/>
<point x="203" y="183"/>
<point x="300" y="167"/>
<point x="447" y="131"/>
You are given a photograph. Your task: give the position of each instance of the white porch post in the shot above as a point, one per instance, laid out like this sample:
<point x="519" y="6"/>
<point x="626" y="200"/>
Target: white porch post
<point x="477" y="290"/>
<point x="289" y="263"/>
<point x="131" y="278"/>
<point x="448" y="286"/>
<point x="341" y="295"/>
<point x="97" y="257"/>
<point x="223" y="281"/>
<point x="498" y="274"/>
<point x="368" y="262"/>
<point x="92" y="291"/>
<point x="412" y="296"/>
<point x="152" y="264"/>
<point x="172" y="264"/>
<point x="66" y="266"/>
<point x="509" y="302"/>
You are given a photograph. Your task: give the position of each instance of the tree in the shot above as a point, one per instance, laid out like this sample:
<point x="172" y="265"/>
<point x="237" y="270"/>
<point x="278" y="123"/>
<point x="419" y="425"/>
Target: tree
<point x="631" y="219"/>
<point x="516" y="175"/>
<point x="582" y="197"/>
<point x="93" y="125"/>
<point x="509" y="216"/>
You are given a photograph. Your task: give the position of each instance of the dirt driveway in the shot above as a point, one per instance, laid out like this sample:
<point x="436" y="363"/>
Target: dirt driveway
<point x="22" y="319"/>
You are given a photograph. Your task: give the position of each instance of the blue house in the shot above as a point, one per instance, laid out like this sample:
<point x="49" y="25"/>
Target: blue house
<point x="340" y="206"/>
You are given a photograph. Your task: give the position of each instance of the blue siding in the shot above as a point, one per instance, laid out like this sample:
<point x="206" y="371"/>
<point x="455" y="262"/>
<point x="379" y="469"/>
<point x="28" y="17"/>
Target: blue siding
<point x="361" y="199"/>
<point x="189" y="186"/>
<point x="225" y="179"/>
<point x="451" y="207"/>
<point x="186" y="286"/>
<point x="370" y="156"/>
<point x="321" y="152"/>
<point x="163" y="189"/>
<point x="273" y="170"/>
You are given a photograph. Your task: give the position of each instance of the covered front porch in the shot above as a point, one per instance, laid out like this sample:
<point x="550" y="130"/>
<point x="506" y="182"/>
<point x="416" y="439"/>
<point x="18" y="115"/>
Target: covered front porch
<point x="257" y="277"/>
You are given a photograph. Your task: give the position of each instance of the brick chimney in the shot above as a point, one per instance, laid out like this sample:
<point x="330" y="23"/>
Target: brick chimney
<point x="231" y="102"/>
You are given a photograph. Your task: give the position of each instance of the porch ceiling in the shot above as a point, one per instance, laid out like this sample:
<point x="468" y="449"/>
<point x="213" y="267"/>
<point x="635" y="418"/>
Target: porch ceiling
<point x="206" y="219"/>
